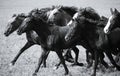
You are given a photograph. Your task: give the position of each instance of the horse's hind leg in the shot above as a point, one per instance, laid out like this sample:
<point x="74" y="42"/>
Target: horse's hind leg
<point x="26" y="46"/>
<point x="112" y="60"/>
<point x="76" y="51"/>
<point x="102" y="60"/>
<point x="59" y="53"/>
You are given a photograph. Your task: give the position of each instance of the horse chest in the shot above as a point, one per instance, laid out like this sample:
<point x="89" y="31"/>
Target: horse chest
<point x="32" y="36"/>
<point x="54" y="42"/>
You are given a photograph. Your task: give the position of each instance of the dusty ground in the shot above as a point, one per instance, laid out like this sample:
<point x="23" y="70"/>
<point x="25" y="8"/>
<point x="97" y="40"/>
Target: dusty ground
<point x="26" y="64"/>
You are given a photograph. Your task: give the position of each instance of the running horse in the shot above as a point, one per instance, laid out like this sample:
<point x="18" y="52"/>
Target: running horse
<point x="84" y="24"/>
<point x="51" y="35"/>
<point x="60" y="16"/>
<point x="31" y="36"/>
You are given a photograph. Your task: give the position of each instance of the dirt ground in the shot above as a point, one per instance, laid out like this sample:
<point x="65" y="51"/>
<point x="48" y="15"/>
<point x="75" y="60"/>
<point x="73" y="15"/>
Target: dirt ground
<point x="26" y="64"/>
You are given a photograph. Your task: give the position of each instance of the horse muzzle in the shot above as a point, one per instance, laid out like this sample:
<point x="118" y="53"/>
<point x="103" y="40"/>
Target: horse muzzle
<point x="6" y="34"/>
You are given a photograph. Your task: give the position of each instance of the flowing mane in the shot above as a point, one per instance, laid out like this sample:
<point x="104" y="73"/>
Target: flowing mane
<point x="90" y="13"/>
<point x="41" y="13"/>
<point x="70" y="10"/>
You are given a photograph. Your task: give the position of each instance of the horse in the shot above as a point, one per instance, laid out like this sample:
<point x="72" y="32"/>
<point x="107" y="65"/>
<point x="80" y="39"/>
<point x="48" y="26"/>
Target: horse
<point x="63" y="16"/>
<point x="51" y="35"/>
<point x="60" y="16"/>
<point x="113" y="21"/>
<point x="32" y="37"/>
<point x="85" y="25"/>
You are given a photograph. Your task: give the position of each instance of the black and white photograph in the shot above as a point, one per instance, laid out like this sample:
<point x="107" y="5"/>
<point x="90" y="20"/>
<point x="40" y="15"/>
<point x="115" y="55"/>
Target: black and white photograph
<point x="59" y="37"/>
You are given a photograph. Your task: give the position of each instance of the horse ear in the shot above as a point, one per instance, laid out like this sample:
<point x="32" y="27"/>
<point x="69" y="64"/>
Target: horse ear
<point x="116" y="11"/>
<point x="59" y="7"/>
<point x="111" y="10"/>
<point x="14" y="15"/>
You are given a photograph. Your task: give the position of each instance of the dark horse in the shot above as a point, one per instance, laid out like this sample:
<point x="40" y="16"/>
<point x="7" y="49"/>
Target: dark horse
<point x="90" y="29"/>
<point x="51" y="37"/>
<point x="60" y="17"/>
<point x="113" y="22"/>
<point x="31" y="36"/>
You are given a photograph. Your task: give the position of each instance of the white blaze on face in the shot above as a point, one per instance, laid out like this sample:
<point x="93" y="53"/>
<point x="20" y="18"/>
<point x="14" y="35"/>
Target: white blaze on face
<point x="11" y="20"/>
<point x="52" y="13"/>
<point x="69" y="23"/>
<point x="75" y="16"/>
<point x="106" y="28"/>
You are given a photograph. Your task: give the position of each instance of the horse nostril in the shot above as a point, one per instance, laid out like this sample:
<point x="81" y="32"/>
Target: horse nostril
<point x="6" y="34"/>
<point x="66" y="38"/>
<point x="18" y="32"/>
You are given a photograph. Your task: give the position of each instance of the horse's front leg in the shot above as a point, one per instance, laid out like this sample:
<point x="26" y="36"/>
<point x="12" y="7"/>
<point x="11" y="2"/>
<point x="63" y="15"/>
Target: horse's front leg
<point x="76" y="51"/>
<point x="109" y="55"/>
<point x="89" y="58"/>
<point x="44" y="60"/>
<point x="26" y="46"/>
<point x="59" y="53"/>
<point x="96" y="61"/>
<point x="44" y="52"/>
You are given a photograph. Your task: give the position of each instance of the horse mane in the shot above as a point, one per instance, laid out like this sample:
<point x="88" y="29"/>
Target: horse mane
<point x="70" y="10"/>
<point x="41" y="13"/>
<point x="90" y="13"/>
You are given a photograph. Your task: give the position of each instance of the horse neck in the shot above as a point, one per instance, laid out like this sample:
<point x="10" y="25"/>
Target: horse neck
<point x="43" y="33"/>
<point x="90" y="31"/>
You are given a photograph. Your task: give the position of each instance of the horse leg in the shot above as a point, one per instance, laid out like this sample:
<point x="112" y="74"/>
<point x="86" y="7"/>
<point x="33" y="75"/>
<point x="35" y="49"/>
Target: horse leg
<point x="59" y="53"/>
<point x="26" y="46"/>
<point x="67" y="56"/>
<point x="44" y="60"/>
<point x="102" y="60"/>
<point x="76" y="51"/>
<point x="89" y="59"/>
<point x="44" y="52"/>
<point x="112" y="60"/>
<point x="96" y="62"/>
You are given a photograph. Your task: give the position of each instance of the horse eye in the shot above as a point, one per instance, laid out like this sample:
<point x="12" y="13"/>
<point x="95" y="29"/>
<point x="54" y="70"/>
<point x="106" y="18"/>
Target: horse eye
<point x="72" y="19"/>
<point x="55" y="13"/>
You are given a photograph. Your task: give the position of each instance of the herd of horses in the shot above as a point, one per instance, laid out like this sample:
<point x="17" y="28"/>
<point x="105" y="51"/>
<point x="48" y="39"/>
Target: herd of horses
<point x="61" y="28"/>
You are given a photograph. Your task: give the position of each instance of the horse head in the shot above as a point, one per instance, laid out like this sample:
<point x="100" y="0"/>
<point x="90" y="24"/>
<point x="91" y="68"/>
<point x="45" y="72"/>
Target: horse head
<point x="113" y="21"/>
<point x="25" y="26"/>
<point x="76" y="25"/>
<point x="14" y="23"/>
<point x="58" y="16"/>
<point x="81" y="23"/>
<point x="32" y="23"/>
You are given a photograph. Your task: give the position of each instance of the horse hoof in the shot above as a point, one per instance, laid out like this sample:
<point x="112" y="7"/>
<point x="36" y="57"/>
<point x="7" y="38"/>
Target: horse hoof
<point x="77" y="64"/>
<point x="69" y="74"/>
<point x="55" y="68"/>
<point x="118" y="69"/>
<point x="11" y="64"/>
<point x="34" y="74"/>
<point x="88" y="66"/>
<point x="93" y="75"/>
